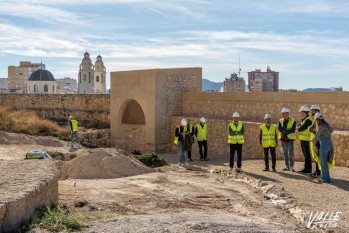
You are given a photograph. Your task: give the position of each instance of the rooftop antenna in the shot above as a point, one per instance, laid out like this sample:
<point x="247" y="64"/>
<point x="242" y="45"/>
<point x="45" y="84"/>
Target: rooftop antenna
<point x="239" y="66"/>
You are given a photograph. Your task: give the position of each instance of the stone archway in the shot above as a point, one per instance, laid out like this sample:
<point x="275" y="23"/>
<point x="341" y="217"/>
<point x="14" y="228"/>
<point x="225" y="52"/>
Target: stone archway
<point x="132" y="126"/>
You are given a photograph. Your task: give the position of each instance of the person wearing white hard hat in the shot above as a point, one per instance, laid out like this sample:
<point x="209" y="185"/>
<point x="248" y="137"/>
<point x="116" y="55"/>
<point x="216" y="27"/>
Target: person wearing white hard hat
<point x="316" y="157"/>
<point x="323" y="136"/>
<point x="201" y="137"/>
<point x="268" y="141"/>
<point x="74" y="129"/>
<point x="236" y="132"/>
<point x="304" y="137"/>
<point x="287" y="135"/>
<point x="180" y="132"/>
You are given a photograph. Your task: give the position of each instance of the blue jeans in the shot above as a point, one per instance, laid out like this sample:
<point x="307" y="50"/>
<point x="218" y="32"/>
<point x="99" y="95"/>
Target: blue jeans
<point x="325" y="147"/>
<point x="181" y="152"/>
<point x="287" y="147"/>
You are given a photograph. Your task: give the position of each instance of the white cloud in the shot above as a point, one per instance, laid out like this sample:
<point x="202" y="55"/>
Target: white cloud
<point x="39" y="12"/>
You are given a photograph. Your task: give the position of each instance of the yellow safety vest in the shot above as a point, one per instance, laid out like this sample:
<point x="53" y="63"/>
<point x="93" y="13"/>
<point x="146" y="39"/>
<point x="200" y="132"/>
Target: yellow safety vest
<point x="236" y="139"/>
<point x="179" y="129"/>
<point x="305" y="134"/>
<point x="289" y="126"/>
<point x="74" y="124"/>
<point x="202" y="132"/>
<point x="268" y="136"/>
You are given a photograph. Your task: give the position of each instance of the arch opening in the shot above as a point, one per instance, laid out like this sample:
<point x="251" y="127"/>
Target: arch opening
<point x="132" y="113"/>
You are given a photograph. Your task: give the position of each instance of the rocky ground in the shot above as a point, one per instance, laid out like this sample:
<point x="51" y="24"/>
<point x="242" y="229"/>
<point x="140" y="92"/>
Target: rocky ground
<point x="202" y="197"/>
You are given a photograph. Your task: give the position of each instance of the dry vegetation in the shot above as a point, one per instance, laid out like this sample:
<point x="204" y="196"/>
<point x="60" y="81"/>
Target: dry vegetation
<point x="27" y="122"/>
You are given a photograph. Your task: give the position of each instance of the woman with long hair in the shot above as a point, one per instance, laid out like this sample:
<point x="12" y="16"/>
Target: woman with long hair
<point x="323" y="137"/>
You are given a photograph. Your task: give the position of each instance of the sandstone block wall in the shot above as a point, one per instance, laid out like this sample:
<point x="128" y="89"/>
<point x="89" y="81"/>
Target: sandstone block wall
<point x="218" y="141"/>
<point x="24" y="186"/>
<point x="95" y="137"/>
<point x="253" y="106"/>
<point x="92" y="111"/>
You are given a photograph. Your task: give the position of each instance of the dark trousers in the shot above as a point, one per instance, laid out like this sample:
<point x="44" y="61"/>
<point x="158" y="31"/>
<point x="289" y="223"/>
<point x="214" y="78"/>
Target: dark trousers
<point x="203" y="144"/>
<point x="266" y="156"/>
<point x="317" y="169"/>
<point x="189" y="154"/>
<point x="238" y="149"/>
<point x="307" y="157"/>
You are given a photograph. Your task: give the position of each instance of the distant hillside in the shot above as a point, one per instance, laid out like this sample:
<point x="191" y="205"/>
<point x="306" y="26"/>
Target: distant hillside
<point x="316" y="90"/>
<point x="209" y="85"/>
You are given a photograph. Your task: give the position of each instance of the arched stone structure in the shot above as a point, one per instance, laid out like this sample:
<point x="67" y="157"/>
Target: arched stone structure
<point x="157" y="94"/>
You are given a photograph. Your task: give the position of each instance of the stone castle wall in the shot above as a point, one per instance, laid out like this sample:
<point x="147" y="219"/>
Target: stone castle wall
<point x="253" y="106"/>
<point x="92" y="111"/>
<point x="217" y="139"/>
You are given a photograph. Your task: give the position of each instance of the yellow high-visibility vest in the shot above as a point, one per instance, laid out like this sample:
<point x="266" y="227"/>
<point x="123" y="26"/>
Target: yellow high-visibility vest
<point x="202" y="132"/>
<point x="74" y="124"/>
<point x="179" y="130"/>
<point x="268" y="136"/>
<point x="289" y="126"/>
<point x="236" y="139"/>
<point x="305" y="134"/>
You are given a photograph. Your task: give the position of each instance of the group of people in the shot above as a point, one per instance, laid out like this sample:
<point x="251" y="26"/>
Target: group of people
<point x="314" y="135"/>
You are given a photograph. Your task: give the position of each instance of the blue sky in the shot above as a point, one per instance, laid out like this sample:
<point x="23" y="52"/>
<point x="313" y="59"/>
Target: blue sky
<point x="307" y="41"/>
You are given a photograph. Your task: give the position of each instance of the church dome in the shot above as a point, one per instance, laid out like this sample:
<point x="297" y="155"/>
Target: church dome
<point x="41" y="75"/>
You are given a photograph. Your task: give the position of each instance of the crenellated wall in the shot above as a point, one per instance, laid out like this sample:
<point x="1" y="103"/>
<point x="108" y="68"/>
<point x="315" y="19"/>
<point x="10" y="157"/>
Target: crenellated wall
<point x="92" y="111"/>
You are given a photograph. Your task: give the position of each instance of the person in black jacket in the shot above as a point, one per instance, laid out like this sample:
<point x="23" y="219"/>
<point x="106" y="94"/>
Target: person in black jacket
<point x="180" y="132"/>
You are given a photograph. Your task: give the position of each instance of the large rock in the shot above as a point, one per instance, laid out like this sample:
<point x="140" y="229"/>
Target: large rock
<point x="25" y="185"/>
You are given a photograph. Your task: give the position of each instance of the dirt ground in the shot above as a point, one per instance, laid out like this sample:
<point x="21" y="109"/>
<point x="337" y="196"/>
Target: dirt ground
<point x="195" y="198"/>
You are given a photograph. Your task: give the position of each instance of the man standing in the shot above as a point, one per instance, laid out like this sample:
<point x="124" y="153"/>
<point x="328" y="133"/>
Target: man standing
<point x="190" y="133"/>
<point x="313" y="110"/>
<point x="236" y="132"/>
<point x="304" y="137"/>
<point x="287" y="129"/>
<point x="201" y="137"/>
<point x="179" y="139"/>
<point x="73" y="125"/>
<point x="268" y="141"/>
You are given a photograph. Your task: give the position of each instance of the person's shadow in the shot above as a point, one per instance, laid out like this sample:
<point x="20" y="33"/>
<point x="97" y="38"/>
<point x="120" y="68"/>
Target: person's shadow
<point x="263" y="178"/>
<point x="342" y="184"/>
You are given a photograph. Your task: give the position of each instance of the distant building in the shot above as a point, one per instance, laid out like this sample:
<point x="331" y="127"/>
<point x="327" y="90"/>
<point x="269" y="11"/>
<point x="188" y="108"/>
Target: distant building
<point x="3" y="83"/>
<point x="288" y="90"/>
<point x="67" y="85"/>
<point x="336" y="88"/>
<point x="42" y="82"/>
<point x="234" y="84"/>
<point x="18" y="75"/>
<point x="92" y="78"/>
<point x="259" y="81"/>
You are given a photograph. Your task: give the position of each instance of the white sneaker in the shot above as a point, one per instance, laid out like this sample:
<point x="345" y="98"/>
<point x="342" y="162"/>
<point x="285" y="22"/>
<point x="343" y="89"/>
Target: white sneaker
<point x="185" y="164"/>
<point x="179" y="164"/>
<point x="239" y="170"/>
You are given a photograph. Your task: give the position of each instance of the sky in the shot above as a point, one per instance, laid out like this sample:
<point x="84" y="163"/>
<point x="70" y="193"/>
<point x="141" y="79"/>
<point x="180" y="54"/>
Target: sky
<point x="307" y="41"/>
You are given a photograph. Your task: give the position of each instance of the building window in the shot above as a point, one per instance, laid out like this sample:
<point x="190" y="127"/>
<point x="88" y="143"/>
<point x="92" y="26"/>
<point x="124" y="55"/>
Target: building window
<point x="36" y="88"/>
<point x="53" y="88"/>
<point x="97" y="67"/>
<point x="97" y="79"/>
<point x="45" y="88"/>
<point x="85" y="78"/>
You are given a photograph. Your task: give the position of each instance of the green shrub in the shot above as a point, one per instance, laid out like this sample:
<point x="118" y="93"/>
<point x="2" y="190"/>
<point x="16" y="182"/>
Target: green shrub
<point x="54" y="220"/>
<point x="151" y="160"/>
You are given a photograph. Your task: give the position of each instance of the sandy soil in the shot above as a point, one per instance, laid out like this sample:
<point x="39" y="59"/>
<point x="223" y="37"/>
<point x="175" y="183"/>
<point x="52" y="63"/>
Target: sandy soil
<point x="182" y="199"/>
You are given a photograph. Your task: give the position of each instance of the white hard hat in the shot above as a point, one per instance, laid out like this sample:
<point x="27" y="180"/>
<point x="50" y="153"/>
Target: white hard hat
<point x="319" y="115"/>
<point x="236" y="114"/>
<point x="315" y="107"/>
<point x="203" y="120"/>
<point x="71" y="117"/>
<point x="304" y="108"/>
<point x="267" y="116"/>
<point x="184" y="122"/>
<point x="285" y="110"/>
